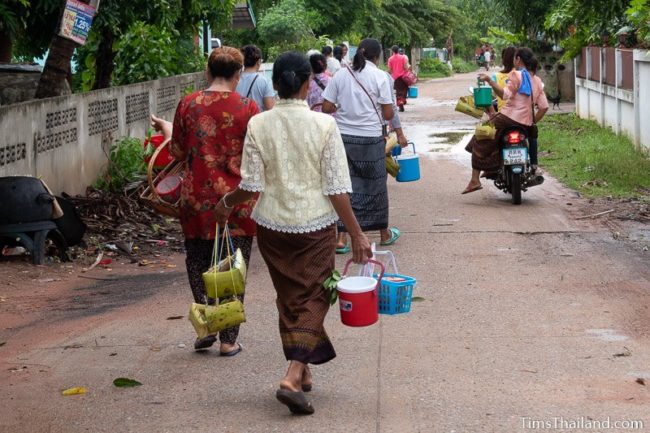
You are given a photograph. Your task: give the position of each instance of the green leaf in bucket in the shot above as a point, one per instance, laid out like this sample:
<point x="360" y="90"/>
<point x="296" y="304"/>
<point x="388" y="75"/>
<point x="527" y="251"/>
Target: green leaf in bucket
<point x="123" y="382"/>
<point x="417" y="299"/>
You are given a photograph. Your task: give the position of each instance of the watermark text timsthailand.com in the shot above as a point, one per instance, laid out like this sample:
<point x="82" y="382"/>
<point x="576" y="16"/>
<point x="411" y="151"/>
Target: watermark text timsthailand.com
<point x="581" y="423"/>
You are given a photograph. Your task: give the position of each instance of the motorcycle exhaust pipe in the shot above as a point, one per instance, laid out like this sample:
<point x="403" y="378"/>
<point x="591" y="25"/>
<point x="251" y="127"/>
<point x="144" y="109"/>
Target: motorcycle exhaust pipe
<point x="536" y="180"/>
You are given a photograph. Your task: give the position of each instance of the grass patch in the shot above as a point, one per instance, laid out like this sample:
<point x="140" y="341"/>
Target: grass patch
<point x="462" y="67"/>
<point x="450" y="137"/>
<point x="434" y="74"/>
<point x="592" y="159"/>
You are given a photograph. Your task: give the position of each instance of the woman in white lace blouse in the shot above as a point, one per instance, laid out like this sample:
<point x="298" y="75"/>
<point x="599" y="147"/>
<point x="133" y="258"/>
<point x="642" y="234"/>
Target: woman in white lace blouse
<point x="295" y="159"/>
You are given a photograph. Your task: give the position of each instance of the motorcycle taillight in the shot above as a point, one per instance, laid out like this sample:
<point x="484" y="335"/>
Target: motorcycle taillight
<point x="515" y="137"/>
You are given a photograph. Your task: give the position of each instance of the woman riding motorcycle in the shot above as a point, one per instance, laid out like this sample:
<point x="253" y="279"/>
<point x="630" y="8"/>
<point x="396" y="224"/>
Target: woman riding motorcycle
<point x="522" y="91"/>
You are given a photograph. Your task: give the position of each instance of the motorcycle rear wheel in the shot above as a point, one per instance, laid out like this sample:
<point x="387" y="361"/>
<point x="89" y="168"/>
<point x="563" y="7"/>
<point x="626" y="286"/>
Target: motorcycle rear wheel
<point x="515" y="187"/>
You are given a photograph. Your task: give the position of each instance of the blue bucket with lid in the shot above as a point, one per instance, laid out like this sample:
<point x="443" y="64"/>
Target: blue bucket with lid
<point x="409" y="166"/>
<point x="413" y="92"/>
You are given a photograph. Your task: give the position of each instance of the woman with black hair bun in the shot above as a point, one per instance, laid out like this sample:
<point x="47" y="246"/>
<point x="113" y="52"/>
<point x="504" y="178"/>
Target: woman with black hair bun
<point x="318" y="83"/>
<point x="295" y="159"/>
<point x="252" y="84"/>
<point x="362" y="97"/>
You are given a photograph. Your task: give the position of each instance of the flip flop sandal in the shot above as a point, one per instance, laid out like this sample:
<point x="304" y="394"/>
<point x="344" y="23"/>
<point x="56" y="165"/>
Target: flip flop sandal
<point x="343" y="250"/>
<point x="468" y="189"/>
<point x="295" y="401"/>
<point x="233" y="352"/>
<point x="205" y="342"/>
<point x="394" y="236"/>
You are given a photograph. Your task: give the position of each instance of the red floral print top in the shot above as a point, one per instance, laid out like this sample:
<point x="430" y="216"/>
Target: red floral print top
<point x="208" y="134"/>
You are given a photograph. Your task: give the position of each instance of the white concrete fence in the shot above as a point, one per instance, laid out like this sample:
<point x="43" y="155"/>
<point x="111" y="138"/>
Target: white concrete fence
<point x="613" y="88"/>
<point x="66" y="140"/>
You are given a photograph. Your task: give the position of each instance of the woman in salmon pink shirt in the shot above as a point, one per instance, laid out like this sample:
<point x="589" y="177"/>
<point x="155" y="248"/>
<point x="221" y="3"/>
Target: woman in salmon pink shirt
<point x="523" y="90"/>
<point x="208" y="135"/>
<point x="398" y="65"/>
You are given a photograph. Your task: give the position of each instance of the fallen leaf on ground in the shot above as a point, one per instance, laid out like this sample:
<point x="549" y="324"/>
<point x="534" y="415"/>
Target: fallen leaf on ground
<point x="417" y="299"/>
<point x="73" y="346"/>
<point x="528" y="371"/>
<point x="74" y="391"/>
<point x="2" y="343"/>
<point x="640" y="381"/>
<point x="112" y="354"/>
<point x="175" y="317"/>
<point x="16" y="369"/>
<point x="124" y="382"/>
<point x="155" y="349"/>
<point x="625" y="352"/>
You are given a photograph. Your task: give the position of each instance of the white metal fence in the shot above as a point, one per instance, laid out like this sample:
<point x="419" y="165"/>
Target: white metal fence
<point x="613" y="88"/>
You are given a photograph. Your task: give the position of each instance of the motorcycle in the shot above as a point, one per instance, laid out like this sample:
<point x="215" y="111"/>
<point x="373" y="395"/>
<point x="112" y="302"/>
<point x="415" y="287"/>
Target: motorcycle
<point x="515" y="174"/>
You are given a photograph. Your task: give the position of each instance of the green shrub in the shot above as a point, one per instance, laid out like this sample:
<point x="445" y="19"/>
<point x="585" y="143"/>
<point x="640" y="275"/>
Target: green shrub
<point x="125" y="165"/>
<point x="430" y="67"/>
<point x="592" y="159"/>
<point x="460" y="66"/>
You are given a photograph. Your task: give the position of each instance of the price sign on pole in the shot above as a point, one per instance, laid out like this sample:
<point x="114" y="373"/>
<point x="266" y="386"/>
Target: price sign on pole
<point x="76" y="22"/>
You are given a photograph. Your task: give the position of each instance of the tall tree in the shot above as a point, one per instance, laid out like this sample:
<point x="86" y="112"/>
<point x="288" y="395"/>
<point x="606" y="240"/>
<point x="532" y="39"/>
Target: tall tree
<point x="54" y="80"/>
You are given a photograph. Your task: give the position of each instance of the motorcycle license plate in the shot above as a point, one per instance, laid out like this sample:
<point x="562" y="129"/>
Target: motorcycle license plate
<point x="515" y="156"/>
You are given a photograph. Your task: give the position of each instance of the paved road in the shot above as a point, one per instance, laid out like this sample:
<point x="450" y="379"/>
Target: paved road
<point x="524" y="311"/>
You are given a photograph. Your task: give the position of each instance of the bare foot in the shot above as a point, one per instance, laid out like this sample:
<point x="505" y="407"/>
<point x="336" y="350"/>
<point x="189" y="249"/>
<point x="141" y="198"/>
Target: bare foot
<point x="307" y="383"/>
<point x="342" y="241"/>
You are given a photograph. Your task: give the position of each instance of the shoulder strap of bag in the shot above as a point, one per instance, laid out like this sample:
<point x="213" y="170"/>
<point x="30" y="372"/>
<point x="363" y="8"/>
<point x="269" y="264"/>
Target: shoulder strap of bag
<point x="381" y="121"/>
<point x="250" y="89"/>
<point x="532" y="101"/>
<point x="319" y="82"/>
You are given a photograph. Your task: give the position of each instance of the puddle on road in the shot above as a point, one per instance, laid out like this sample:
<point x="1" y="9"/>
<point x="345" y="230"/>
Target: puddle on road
<point x="439" y="138"/>
<point x="450" y="137"/>
<point x="607" y="334"/>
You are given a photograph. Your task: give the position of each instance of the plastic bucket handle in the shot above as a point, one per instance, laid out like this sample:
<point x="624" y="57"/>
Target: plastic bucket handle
<point x="413" y="146"/>
<point x="381" y="266"/>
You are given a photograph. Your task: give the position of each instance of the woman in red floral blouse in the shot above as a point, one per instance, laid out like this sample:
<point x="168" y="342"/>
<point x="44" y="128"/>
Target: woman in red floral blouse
<point x="208" y="134"/>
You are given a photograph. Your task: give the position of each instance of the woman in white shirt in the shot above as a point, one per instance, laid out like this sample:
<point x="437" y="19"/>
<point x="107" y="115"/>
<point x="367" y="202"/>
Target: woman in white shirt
<point x="295" y="159"/>
<point x="362" y="97"/>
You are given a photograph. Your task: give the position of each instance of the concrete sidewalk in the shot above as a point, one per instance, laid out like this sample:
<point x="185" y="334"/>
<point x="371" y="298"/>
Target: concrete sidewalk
<point x="524" y="311"/>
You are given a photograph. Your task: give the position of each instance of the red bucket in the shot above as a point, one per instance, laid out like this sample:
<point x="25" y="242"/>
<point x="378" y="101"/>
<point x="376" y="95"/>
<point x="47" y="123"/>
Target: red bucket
<point x="358" y="298"/>
<point x="169" y="189"/>
<point x="164" y="157"/>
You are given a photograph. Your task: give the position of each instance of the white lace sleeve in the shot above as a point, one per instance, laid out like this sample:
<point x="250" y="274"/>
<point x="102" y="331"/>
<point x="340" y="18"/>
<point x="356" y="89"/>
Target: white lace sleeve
<point x="252" y="166"/>
<point x="335" y="173"/>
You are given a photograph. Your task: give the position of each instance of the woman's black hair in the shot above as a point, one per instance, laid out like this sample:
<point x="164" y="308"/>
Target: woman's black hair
<point x="252" y="55"/>
<point x="318" y="63"/>
<point x="338" y="53"/>
<point x="508" y="59"/>
<point x="369" y="49"/>
<point x="395" y="49"/>
<point x="290" y="71"/>
<point x="327" y="50"/>
<point x="528" y="58"/>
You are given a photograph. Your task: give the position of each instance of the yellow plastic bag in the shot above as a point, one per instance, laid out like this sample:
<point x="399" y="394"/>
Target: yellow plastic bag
<point x="391" y="142"/>
<point x="226" y="315"/>
<point x="465" y="105"/>
<point x="197" y="318"/>
<point x="392" y="167"/>
<point x="485" y="131"/>
<point x="225" y="277"/>
<point x="210" y="319"/>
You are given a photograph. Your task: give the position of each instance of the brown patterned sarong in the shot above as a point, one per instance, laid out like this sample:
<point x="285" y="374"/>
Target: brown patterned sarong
<point x="299" y="263"/>
<point x="485" y="153"/>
